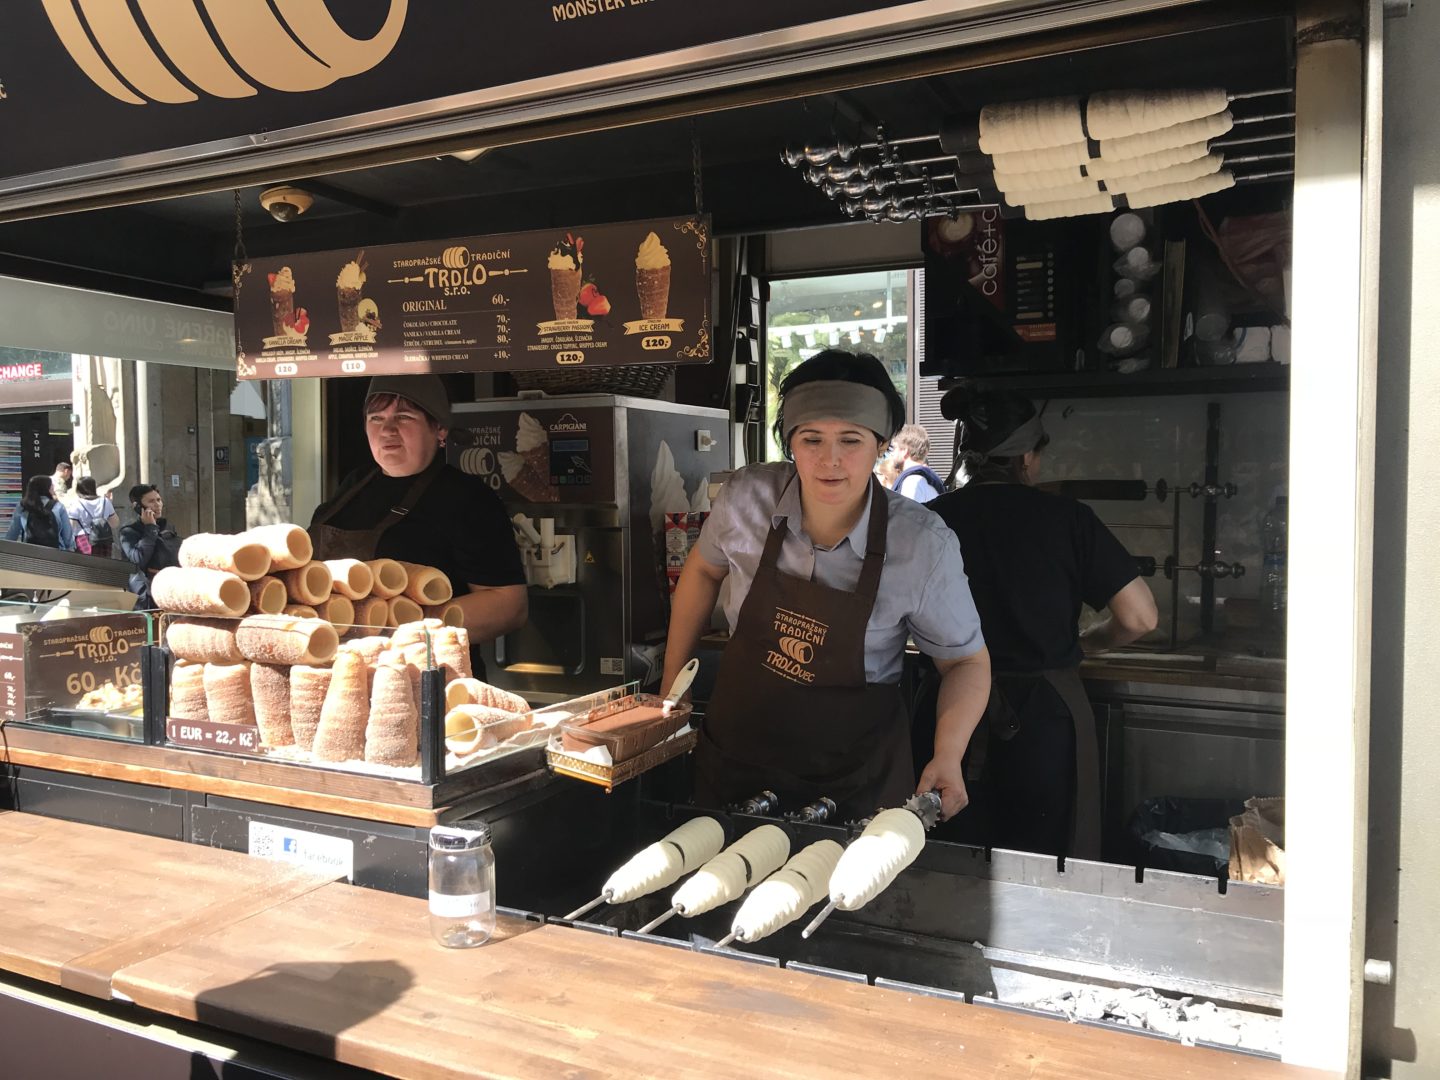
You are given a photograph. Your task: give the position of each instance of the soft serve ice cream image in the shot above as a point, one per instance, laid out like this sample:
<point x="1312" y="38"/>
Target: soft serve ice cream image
<point x="288" y="324"/>
<point x="348" y="284"/>
<point x="566" y="263"/>
<point x="652" y="278"/>
<point x="527" y="469"/>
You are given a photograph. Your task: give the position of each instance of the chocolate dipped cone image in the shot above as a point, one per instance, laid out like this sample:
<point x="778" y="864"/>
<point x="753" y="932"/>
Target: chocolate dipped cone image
<point x="566" y="264"/>
<point x="652" y="278"/>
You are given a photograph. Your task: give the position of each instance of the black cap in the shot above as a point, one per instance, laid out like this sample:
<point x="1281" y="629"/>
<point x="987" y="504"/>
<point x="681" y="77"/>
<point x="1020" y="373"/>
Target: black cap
<point x="426" y="391"/>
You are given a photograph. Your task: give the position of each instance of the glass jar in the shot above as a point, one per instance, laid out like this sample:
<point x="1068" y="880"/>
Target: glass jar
<point x="462" y="885"/>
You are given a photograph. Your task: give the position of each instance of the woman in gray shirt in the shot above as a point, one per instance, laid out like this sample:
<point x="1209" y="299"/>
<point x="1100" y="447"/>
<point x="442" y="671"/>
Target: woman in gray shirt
<point x="830" y="574"/>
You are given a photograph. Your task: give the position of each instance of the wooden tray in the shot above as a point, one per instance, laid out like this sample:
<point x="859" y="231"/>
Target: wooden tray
<point x="634" y="739"/>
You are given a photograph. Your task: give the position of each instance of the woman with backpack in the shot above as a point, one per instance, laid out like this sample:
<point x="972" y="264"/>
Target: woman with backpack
<point x="40" y="519"/>
<point x="93" y="516"/>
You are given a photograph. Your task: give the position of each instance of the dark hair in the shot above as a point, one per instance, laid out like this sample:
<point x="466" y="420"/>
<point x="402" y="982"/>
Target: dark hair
<point x="139" y="491"/>
<point x="37" y="493"/>
<point x="86" y="486"/>
<point x="63" y="459"/>
<point x="841" y="366"/>
<point x="983" y="421"/>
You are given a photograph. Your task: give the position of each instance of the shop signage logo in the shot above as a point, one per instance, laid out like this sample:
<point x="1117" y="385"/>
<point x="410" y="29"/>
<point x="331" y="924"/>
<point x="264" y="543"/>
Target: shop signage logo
<point x="568" y="423"/>
<point x="799" y="639"/>
<point x="293" y="46"/>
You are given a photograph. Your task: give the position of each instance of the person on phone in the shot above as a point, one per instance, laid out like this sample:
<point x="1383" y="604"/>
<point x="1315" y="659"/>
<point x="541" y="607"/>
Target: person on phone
<point x="148" y="542"/>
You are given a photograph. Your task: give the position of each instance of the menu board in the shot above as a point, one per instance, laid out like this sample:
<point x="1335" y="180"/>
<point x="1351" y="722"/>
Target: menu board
<point x="12" y="677"/>
<point x="562" y="298"/>
<point x="87" y="663"/>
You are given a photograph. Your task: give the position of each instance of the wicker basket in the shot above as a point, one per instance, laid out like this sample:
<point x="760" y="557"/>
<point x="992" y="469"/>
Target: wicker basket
<point x="635" y="380"/>
<point x="609" y="776"/>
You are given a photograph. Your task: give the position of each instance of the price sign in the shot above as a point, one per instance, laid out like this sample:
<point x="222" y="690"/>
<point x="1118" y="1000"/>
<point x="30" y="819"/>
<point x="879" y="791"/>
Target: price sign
<point x="208" y="735"/>
<point x="12" y="677"/>
<point x="84" y="662"/>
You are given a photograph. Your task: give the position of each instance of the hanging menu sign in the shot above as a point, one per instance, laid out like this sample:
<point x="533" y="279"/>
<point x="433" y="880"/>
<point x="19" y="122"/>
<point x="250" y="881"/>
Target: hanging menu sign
<point x="606" y="295"/>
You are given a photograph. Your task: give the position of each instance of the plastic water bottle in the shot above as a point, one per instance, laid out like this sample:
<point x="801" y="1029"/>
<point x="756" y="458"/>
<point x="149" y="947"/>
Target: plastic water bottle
<point x="462" y="885"/>
<point x="1272" y="584"/>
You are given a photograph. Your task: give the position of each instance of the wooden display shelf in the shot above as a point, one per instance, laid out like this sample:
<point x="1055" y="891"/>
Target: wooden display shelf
<point x="257" y="779"/>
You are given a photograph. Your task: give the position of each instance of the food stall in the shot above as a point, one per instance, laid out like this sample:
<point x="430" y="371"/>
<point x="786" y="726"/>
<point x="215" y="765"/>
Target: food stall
<point x="699" y="112"/>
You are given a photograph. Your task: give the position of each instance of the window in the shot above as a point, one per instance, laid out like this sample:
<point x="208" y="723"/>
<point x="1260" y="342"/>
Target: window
<point x="864" y="312"/>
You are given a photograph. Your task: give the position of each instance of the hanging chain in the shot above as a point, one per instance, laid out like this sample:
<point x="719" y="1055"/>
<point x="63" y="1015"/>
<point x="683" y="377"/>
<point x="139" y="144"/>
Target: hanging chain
<point x="695" y="165"/>
<point x="241" y="255"/>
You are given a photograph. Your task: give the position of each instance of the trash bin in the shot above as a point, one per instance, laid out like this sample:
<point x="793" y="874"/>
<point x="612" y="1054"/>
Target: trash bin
<point x="1191" y="836"/>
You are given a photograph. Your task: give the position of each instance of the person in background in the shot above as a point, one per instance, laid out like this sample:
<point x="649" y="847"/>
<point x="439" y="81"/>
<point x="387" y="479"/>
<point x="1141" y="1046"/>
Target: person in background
<point x="40" y="519"/>
<point x="913" y="478"/>
<point x="64" y="475"/>
<point x="1034" y="558"/>
<point x="148" y="542"/>
<point x="93" y="515"/>
<point x="829" y="576"/>
<point x="887" y="469"/>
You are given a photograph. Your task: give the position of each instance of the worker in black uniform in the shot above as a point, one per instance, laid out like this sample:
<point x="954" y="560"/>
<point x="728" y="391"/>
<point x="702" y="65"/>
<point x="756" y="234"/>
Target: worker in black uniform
<point x="1033" y="558"/>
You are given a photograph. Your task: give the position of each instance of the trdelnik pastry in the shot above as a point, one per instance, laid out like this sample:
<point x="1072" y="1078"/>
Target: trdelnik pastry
<point x="652" y="278"/>
<point x="527" y="470"/>
<point x="566" y="263"/>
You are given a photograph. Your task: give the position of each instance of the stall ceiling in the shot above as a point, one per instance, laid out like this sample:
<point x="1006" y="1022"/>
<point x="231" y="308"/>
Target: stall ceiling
<point x="181" y="249"/>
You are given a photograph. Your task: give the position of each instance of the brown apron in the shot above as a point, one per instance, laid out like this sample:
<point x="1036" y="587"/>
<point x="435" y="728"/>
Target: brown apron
<point x="792" y="711"/>
<point x="1003" y="719"/>
<point x="333" y="543"/>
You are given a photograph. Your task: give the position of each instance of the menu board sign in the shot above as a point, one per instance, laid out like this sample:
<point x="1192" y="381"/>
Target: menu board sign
<point x="87" y="663"/>
<point x="601" y="296"/>
<point x="12" y="678"/>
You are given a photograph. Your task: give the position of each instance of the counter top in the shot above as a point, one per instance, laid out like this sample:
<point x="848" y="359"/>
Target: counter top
<point x="353" y="975"/>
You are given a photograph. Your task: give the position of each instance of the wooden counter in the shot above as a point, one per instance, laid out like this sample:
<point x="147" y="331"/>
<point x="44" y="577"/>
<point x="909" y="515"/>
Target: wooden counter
<point x="353" y="975"/>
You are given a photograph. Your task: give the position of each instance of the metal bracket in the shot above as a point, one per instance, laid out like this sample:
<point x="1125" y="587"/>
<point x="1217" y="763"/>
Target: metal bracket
<point x="1397" y="9"/>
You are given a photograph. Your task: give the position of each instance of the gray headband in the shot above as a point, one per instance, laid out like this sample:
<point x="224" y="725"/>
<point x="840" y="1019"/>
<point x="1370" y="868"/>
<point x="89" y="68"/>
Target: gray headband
<point x="1020" y="441"/>
<point x="835" y="399"/>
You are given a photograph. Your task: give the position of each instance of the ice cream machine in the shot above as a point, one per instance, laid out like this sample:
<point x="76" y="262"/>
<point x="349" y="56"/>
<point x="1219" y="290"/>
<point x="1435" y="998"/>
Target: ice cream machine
<point x="587" y="481"/>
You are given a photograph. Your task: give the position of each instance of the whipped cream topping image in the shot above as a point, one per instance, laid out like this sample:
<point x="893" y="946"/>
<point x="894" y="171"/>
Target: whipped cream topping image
<point x="530" y="434"/>
<point x="283" y="281"/>
<point x="350" y="276"/>
<point x="651" y="254"/>
<point x="557" y="261"/>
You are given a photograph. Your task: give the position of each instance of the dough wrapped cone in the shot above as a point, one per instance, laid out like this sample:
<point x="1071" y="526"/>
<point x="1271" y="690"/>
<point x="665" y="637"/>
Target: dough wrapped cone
<point x="227" y="694"/>
<point x="203" y="641"/>
<point x="467" y="691"/>
<point x="340" y="735"/>
<point x="426" y="585"/>
<point x="892" y="841"/>
<point x="786" y="894"/>
<point x="477" y="727"/>
<point x="352" y="578"/>
<point x="338" y="611"/>
<point x="270" y="690"/>
<point x="308" y="687"/>
<point x="407" y="634"/>
<point x="193" y="590"/>
<point x="449" y="614"/>
<point x="372" y="614"/>
<point x="392" y="735"/>
<point x="369" y="648"/>
<point x="289" y="545"/>
<point x="236" y="555"/>
<point x="751" y="859"/>
<point x="279" y="639"/>
<point x="268" y="596"/>
<point x="390" y="578"/>
<point x="402" y="610"/>
<point x="451" y="645"/>
<point x="187" y="691"/>
<point x="308" y="584"/>
<point x="662" y="863"/>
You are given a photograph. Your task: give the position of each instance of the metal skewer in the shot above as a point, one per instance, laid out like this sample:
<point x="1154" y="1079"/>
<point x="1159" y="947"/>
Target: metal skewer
<point x="726" y="940"/>
<point x="650" y="926"/>
<point x="815" y="925"/>
<point x="585" y="909"/>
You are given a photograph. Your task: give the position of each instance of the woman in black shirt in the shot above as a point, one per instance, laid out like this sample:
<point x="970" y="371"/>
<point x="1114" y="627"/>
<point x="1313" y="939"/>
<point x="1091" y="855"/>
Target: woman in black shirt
<point x="1033" y="559"/>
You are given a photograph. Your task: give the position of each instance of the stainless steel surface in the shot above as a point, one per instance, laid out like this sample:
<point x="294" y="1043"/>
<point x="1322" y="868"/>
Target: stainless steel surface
<point x="842" y="43"/>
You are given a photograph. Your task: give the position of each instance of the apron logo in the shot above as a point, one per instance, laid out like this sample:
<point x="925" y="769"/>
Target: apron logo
<point x="799" y="639"/>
